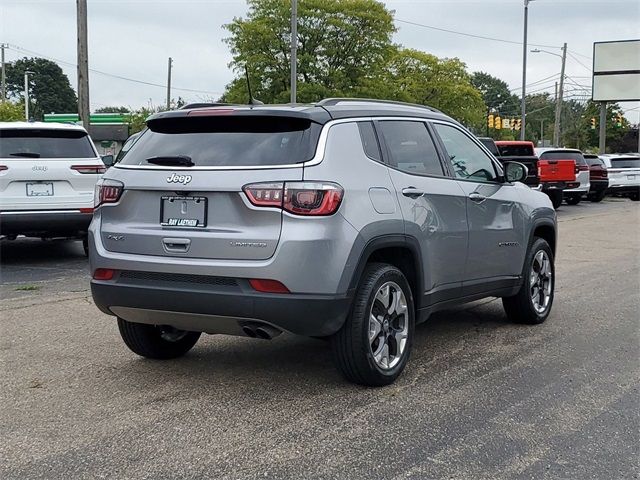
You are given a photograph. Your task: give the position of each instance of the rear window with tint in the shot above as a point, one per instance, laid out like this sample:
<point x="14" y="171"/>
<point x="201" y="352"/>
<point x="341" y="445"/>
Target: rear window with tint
<point x="516" y="150"/>
<point x="631" y="162"/>
<point x="564" y="156"/>
<point x="227" y="141"/>
<point x="43" y="143"/>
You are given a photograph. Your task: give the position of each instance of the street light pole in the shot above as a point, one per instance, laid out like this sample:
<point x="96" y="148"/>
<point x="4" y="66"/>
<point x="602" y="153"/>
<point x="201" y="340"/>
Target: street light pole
<point x="294" y="50"/>
<point x="26" y="94"/>
<point x="169" y="83"/>
<point x="559" y="92"/>
<point x="523" y="106"/>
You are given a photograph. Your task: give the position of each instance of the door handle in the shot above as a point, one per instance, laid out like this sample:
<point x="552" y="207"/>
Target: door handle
<point x="412" y="192"/>
<point x="476" y="197"/>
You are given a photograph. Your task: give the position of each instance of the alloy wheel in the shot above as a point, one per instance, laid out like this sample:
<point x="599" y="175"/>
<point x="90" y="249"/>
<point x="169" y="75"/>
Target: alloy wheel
<point x="388" y="325"/>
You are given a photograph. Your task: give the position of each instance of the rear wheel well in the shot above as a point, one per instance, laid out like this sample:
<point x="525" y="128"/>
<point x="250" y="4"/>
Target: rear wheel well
<point x="547" y="233"/>
<point x="404" y="260"/>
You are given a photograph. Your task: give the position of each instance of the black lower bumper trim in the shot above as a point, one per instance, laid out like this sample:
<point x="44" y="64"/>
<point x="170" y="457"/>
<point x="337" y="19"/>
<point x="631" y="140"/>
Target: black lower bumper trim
<point x="309" y="315"/>
<point x="45" y="224"/>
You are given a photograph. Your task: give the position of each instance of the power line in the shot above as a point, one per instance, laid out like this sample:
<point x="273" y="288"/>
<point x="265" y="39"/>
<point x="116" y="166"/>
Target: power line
<point x="472" y="35"/>
<point x="579" y="62"/>
<point x="112" y="75"/>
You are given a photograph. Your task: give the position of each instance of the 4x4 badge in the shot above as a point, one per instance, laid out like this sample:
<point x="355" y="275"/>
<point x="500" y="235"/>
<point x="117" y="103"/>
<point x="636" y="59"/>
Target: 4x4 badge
<point x="183" y="179"/>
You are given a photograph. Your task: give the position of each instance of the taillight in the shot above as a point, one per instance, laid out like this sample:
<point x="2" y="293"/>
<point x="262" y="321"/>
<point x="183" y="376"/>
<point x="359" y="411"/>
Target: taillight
<point x="103" y="274"/>
<point x="300" y="198"/>
<point x="583" y="168"/>
<point x="3" y="167"/>
<point x="107" y="191"/>
<point x="268" y="286"/>
<point x="95" y="169"/>
<point x="604" y="173"/>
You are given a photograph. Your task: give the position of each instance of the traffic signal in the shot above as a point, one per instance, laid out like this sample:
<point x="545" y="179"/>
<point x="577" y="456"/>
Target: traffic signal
<point x="593" y="123"/>
<point x="518" y="124"/>
<point x="490" y="122"/>
<point x="618" y="119"/>
<point x="497" y="122"/>
<point x="506" y="123"/>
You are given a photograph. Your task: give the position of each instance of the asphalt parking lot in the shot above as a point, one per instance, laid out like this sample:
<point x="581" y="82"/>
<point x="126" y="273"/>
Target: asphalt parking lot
<point x="480" y="398"/>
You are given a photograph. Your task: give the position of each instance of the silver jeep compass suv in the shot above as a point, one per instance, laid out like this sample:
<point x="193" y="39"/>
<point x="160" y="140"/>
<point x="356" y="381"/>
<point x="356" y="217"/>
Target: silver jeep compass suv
<point x="347" y="219"/>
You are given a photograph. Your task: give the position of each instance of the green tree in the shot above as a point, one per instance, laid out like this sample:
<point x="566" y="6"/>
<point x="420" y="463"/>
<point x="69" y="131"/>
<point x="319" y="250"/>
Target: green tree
<point x="341" y="43"/>
<point x="113" y="110"/>
<point x="540" y="117"/>
<point x="49" y="88"/>
<point x="496" y="94"/>
<point x="11" y="112"/>
<point x="418" y="77"/>
<point x="615" y="138"/>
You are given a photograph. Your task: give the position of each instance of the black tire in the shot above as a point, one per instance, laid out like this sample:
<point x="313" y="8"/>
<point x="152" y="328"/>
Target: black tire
<point x="151" y="341"/>
<point x="556" y="198"/>
<point x="596" y="197"/>
<point x="635" y="196"/>
<point x="520" y="308"/>
<point x="352" y="349"/>
<point x="85" y="246"/>
<point x="573" y="199"/>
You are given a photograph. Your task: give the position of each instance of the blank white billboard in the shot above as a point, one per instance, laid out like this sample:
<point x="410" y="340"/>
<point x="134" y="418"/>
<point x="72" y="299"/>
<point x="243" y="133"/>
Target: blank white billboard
<point x="616" y="71"/>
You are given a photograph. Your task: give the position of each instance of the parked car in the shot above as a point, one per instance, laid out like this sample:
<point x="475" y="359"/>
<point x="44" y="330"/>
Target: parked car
<point x="48" y="174"/>
<point x="347" y="219"/>
<point x="598" y="177"/>
<point x="523" y="152"/>
<point x="624" y="174"/>
<point x="552" y="176"/>
<point x="571" y="195"/>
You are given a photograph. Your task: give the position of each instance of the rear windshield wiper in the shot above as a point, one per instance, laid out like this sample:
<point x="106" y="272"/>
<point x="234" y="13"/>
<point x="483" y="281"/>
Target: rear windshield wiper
<point x="172" y="161"/>
<point x="25" y="154"/>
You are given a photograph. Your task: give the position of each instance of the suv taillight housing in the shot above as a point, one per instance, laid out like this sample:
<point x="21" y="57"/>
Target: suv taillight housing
<point x="107" y="191"/>
<point x="91" y="169"/>
<point x="298" y="198"/>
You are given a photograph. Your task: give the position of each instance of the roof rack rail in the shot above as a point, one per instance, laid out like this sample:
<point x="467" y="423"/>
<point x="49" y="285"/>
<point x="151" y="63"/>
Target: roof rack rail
<point x="205" y="105"/>
<point x="327" y="102"/>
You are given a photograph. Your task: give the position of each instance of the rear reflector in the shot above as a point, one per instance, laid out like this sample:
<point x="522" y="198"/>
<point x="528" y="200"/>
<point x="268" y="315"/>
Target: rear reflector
<point x="94" y="169"/>
<point x="86" y="210"/>
<point x="300" y="198"/>
<point x="3" y="167"/>
<point x="103" y="274"/>
<point x="268" y="286"/>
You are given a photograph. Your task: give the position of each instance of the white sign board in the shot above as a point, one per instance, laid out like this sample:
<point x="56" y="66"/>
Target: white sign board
<point x="616" y="71"/>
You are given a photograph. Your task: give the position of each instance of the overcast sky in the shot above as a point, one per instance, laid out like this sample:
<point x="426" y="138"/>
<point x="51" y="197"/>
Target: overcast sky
<point x="134" y="38"/>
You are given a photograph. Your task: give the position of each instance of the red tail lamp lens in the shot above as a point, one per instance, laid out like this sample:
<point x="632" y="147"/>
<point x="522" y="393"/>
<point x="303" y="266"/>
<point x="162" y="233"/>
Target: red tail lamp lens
<point x="108" y="191"/>
<point x="103" y="274"/>
<point x="300" y="198"/>
<point x="95" y="169"/>
<point x="268" y="286"/>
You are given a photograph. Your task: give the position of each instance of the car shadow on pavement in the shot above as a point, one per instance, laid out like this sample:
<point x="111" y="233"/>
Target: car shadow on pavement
<point x="36" y="252"/>
<point x="260" y="367"/>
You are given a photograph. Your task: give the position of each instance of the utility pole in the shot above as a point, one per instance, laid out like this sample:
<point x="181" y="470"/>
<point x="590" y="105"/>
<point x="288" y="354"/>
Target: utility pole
<point x="523" y="106"/>
<point x="542" y="132"/>
<point x="3" y="81"/>
<point x="83" y="64"/>
<point x="26" y="94"/>
<point x="169" y="83"/>
<point x="603" y="128"/>
<point x="556" y="127"/>
<point x="294" y="50"/>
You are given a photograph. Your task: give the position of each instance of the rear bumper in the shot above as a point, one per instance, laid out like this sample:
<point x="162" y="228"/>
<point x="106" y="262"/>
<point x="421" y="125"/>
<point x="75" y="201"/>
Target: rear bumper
<point x="623" y="189"/>
<point x="598" y="185"/>
<point x="215" y="308"/>
<point x="44" y="222"/>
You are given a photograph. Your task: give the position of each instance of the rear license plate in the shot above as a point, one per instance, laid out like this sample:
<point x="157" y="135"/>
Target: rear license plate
<point x="39" y="189"/>
<point x="183" y="211"/>
<point x="631" y="177"/>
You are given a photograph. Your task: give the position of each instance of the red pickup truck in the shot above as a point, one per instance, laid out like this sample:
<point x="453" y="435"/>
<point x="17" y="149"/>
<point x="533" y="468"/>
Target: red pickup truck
<point x="554" y="176"/>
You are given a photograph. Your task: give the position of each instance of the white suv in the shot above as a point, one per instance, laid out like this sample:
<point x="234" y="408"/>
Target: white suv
<point x="48" y="173"/>
<point x="624" y="174"/>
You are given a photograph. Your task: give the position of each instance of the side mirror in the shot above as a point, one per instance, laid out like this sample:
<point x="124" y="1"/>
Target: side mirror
<point x="108" y="160"/>
<point x="515" y="172"/>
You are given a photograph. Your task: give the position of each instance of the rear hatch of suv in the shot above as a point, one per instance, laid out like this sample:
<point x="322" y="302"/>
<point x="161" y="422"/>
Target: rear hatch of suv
<point x="624" y="171"/>
<point x="183" y="183"/>
<point x="47" y="168"/>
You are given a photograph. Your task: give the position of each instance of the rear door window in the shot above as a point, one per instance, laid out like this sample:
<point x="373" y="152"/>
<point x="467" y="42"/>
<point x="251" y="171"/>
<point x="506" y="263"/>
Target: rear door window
<point x="227" y="141"/>
<point x="369" y="140"/>
<point x="45" y="143"/>
<point x="411" y="148"/>
<point x="558" y="155"/>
